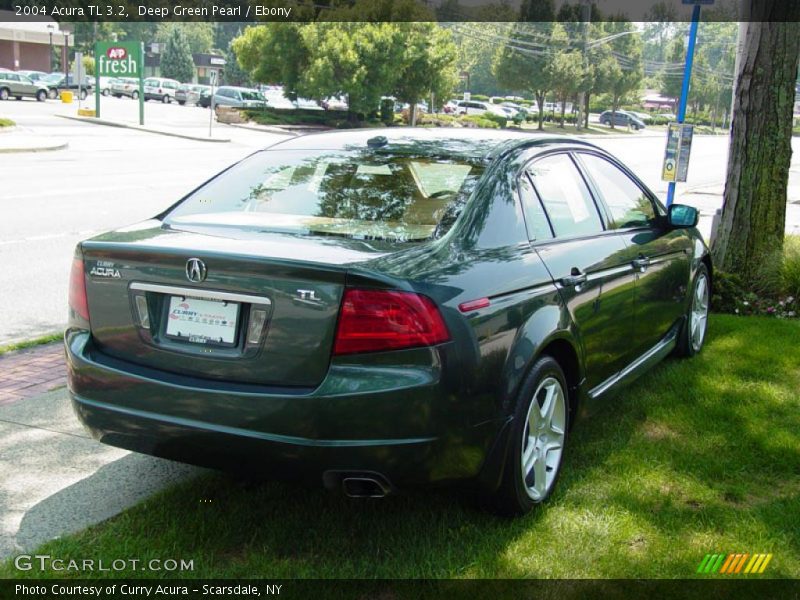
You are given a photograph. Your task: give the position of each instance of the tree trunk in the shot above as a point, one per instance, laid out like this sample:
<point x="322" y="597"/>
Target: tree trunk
<point x="412" y="114"/>
<point x="540" y="102"/>
<point x="614" y="107"/>
<point x="563" y="112"/>
<point x="754" y="212"/>
<point x="586" y="111"/>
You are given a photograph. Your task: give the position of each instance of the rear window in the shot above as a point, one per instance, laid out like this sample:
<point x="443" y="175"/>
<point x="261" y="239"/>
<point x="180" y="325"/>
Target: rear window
<point x="370" y="194"/>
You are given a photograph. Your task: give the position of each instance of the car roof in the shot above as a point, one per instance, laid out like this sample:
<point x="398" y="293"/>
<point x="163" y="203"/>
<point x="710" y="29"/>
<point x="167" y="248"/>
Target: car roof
<point x="465" y="143"/>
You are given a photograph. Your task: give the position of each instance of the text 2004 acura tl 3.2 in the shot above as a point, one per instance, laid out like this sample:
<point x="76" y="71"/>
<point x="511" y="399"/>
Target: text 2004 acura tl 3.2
<point x="385" y="308"/>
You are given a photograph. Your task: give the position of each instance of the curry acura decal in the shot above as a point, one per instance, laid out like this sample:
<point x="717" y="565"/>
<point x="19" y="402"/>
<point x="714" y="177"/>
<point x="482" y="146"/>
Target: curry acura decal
<point x="736" y="563"/>
<point x="104" y="268"/>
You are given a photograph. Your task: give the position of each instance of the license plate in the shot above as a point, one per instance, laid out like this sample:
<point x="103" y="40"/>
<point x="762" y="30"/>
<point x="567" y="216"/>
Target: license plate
<point x="202" y="321"/>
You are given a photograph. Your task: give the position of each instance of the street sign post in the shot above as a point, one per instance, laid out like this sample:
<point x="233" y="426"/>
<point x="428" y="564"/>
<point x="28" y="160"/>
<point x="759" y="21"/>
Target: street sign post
<point x="119" y="59"/>
<point x="687" y="77"/>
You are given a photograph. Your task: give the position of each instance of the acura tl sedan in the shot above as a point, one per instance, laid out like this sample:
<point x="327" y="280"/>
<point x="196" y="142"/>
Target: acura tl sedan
<point x="379" y="309"/>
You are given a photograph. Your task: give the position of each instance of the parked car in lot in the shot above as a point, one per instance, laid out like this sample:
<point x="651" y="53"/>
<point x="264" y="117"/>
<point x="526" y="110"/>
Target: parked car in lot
<point x="125" y="86"/>
<point x="358" y="308"/>
<point x="58" y="82"/>
<point x="334" y="103"/>
<point x="189" y="93"/>
<point x="238" y="97"/>
<point x="622" y="118"/>
<point x="105" y="84"/>
<point x="33" y="75"/>
<point x="161" y="89"/>
<point x="204" y="101"/>
<point x="15" y="85"/>
<point x="474" y="107"/>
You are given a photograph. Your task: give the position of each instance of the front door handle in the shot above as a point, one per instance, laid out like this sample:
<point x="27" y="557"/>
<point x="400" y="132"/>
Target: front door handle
<point x="574" y="279"/>
<point x="641" y="263"/>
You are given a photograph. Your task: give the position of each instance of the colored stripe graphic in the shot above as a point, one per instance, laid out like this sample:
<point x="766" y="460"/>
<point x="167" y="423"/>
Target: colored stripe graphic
<point x="734" y="564"/>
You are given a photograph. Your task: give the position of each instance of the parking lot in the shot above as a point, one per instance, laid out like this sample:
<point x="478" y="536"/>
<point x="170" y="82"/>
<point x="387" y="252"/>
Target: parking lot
<point x="109" y="176"/>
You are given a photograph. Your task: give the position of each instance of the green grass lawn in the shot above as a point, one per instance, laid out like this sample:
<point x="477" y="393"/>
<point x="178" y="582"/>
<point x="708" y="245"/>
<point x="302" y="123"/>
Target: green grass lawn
<point x="700" y="456"/>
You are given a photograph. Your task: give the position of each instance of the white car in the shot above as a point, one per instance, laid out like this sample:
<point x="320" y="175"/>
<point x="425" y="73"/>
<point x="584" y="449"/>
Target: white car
<point x="160" y="88"/>
<point x="475" y="107"/>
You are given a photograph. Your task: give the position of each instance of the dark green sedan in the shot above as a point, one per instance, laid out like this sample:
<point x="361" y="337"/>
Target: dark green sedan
<point x="385" y="308"/>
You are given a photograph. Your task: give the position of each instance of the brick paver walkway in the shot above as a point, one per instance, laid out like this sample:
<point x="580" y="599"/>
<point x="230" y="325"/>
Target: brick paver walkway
<point x="30" y="372"/>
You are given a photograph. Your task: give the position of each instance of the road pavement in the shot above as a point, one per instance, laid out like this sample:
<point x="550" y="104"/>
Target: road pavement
<point x="110" y="177"/>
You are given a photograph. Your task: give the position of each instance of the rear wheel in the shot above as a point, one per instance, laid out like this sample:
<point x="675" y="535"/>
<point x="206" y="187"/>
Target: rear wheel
<point x="83" y="94"/>
<point x="539" y="434"/>
<point x="165" y="99"/>
<point x="52" y="94"/>
<point x="106" y="92"/>
<point x="135" y="95"/>
<point x="181" y="102"/>
<point x="41" y="95"/>
<point x="18" y="98"/>
<point x="693" y="332"/>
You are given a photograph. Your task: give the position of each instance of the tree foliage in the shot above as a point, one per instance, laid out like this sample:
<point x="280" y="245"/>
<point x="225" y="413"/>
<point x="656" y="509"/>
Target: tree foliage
<point x="176" y="60"/>
<point x="359" y="60"/>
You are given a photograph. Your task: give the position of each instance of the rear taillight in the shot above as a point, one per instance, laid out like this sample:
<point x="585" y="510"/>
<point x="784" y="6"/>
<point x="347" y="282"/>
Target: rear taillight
<point x="376" y="320"/>
<point x="77" y="290"/>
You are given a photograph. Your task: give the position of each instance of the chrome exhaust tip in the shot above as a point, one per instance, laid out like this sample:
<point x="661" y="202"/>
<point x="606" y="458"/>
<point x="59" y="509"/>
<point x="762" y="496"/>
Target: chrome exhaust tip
<point x="358" y="484"/>
<point x="364" y="487"/>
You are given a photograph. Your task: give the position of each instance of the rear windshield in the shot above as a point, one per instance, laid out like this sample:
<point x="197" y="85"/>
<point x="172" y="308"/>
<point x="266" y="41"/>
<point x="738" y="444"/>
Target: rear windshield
<point x="370" y="194"/>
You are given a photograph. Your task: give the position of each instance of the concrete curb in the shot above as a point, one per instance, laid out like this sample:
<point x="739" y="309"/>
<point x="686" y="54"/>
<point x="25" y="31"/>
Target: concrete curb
<point x="19" y="150"/>
<point x="96" y="121"/>
<point x="263" y="129"/>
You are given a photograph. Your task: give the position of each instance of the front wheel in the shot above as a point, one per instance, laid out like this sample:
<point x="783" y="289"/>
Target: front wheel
<point x="3" y="94"/>
<point x="83" y="94"/>
<point x="539" y="434"/>
<point x="52" y="94"/>
<point x="135" y="95"/>
<point x="693" y="332"/>
<point x="41" y="95"/>
<point x="106" y="92"/>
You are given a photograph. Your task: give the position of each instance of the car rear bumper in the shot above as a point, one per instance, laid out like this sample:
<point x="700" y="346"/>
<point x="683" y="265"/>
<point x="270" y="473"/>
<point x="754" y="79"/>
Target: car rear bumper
<point x="353" y="422"/>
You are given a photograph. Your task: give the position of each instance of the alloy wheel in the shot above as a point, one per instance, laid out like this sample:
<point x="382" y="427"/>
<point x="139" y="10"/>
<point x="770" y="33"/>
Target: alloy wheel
<point x="699" y="314"/>
<point x="3" y="94"/>
<point x="543" y="438"/>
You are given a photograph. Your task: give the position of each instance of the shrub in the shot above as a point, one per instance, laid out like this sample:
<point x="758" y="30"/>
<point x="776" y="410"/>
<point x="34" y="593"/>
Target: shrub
<point x="501" y="121"/>
<point x="790" y="269"/>
<point x="478" y="121"/>
<point x="480" y="97"/>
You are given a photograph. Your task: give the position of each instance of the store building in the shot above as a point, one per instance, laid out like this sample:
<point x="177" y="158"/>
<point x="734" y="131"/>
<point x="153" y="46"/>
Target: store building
<point x="31" y="45"/>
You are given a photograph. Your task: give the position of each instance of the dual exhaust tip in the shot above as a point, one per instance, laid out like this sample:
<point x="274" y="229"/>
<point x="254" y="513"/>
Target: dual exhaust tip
<point x="364" y="484"/>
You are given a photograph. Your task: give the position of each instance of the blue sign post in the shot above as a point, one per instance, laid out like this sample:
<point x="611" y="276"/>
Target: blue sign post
<point x="687" y="75"/>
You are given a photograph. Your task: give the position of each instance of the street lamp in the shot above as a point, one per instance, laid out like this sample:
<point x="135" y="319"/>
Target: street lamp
<point x="50" y="58"/>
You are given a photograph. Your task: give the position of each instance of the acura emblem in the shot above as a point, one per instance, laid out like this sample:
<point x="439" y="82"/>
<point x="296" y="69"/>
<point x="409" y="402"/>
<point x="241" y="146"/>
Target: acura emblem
<point x="196" y="270"/>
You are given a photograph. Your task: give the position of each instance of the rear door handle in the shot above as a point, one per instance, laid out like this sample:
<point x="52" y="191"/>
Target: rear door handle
<point x="641" y="263"/>
<point x="574" y="279"/>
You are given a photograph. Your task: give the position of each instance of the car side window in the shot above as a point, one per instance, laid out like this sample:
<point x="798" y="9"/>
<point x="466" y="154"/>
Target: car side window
<point x="566" y="198"/>
<point x="535" y="217"/>
<point x="628" y="204"/>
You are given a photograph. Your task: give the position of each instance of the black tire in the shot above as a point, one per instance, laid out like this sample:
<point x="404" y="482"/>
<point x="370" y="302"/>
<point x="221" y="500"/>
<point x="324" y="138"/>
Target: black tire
<point x="165" y="99"/>
<point x="3" y="93"/>
<point x="117" y="95"/>
<point x="52" y="94"/>
<point x="41" y="96"/>
<point x="512" y="498"/>
<point x="18" y="98"/>
<point x="687" y="344"/>
<point x="83" y="94"/>
<point x="135" y="95"/>
<point x="106" y="92"/>
<point x="182" y="102"/>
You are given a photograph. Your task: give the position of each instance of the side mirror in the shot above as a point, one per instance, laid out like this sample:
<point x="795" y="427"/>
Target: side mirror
<point x="681" y="216"/>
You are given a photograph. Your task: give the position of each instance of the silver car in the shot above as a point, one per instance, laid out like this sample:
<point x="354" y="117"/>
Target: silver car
<point x="19" y="86"/>
<point x="238" y="97"/>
